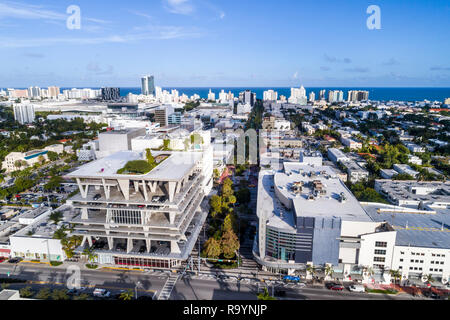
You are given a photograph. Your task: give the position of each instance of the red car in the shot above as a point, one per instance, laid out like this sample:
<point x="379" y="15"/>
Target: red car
<point x="337" y="287"/>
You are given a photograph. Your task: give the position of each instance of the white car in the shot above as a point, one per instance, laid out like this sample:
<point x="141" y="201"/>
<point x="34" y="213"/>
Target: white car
<point x="357" y="288"/>
<point x="101" y="293"/>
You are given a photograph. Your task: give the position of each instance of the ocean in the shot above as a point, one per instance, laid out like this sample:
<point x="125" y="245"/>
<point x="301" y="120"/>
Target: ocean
<point x="379" y="94"/>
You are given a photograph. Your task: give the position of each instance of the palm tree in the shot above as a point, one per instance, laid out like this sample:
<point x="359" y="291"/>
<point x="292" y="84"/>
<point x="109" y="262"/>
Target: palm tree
<point x="265" y="295"/>
<point x="428" y="278"/>
<point x="127" y="295"/>
<point x="89" y="253"/>
<point x="396" y="274"/>
<point x="329" y="270"/>
<point x="311" y="269"/>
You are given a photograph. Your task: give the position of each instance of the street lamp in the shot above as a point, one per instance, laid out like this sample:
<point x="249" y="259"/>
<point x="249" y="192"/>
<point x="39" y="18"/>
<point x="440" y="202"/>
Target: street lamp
<point x="138" y="284"/>
<point x="48" y="250"/>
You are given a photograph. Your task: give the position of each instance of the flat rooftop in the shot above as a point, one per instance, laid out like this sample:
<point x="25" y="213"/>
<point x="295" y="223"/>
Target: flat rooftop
<point x="434" y="191"/>
<point x="414" y="228"/>
<point x="174" y="168"/>
<point x="325" y="206"/>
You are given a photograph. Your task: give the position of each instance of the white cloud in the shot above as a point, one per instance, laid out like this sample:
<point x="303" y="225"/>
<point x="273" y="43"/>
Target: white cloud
<point x="155" y="33"/>
<point x="184" y="7"/>
<point x="295" y="76"/>
<point x="36" y="12"/>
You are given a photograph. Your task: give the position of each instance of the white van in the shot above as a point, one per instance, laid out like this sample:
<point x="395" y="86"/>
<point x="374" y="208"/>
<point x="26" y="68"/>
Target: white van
<point x="357" y="288"/>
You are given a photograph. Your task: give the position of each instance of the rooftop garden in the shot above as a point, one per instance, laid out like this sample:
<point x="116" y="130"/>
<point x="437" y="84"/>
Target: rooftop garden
<point x="142" y="166"/>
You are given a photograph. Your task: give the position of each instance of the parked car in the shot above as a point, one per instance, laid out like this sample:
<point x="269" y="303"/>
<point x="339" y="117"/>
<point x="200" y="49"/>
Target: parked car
<point x="357" y="288"/>
<point x="432" y="295"/>
<point x="97" y="196"/>
<point x="101" y="293"/>
<point x="334" y="286"/>
<point x="14" y="260"/>
<point x="337" y="287"/>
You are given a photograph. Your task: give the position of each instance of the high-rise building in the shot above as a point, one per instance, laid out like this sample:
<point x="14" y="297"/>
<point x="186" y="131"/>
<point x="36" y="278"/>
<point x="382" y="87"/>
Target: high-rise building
<point x="162" y="115"/>
<point x="24" y="113"/>
<point x="34" y="92"/>
<point x="270" y="95"/>
<point x="322" y="94"/>
<point x="110" y="94"/>
<point x="53" y="92"/>
<point x="247" y="97"/>
<point x="312" y="96"/>
<point x="355" y="95"/>
<point x="447" y="101"/>
<point x="298" y="96"/>
<point x="211" y="96"/>
<point x="148" y="85"/>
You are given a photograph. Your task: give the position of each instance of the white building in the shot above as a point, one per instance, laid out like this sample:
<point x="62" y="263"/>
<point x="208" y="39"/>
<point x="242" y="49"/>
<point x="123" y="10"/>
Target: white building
<point x="24" y="113"/>
<point x="270" y="95"/>
<point x="307" y="216"/>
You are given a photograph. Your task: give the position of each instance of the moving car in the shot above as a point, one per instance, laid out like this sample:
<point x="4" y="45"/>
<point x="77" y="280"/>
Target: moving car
<point x="357" y="288"/>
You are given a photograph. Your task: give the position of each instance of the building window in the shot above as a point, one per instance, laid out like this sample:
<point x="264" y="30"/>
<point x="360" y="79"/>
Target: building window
<point x="401" y="260"/>
<point x="381" y="244"/>
<point x="377" y="251"/>
<point x="379" y="259"/>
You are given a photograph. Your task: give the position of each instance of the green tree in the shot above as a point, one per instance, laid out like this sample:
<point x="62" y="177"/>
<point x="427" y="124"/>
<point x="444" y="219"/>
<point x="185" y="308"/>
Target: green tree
<point x="69" y="244"/>
<point x="90" y="254"/>
<point x="44" y="294"/>
<point x="60" y="294"/>
<point x="26" y="292"/>
<point x="56" y="216"/>
<point x="52" y="156"/>
<point x="216" y="205"/>
<point x="126" y="295"/>
<point x="54" y="183"/>
<point x="229" y="223"/>
<point x="265" y="295"/>
<point x="212" y="249"/>
<point x="230" y="244"/>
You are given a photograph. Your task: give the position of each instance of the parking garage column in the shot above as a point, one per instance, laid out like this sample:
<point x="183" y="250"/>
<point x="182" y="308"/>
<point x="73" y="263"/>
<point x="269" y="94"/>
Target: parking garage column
<point x="171" y="190"/>
<point x="89" y="239"/>
<point x="110" y="243"/>
<point x="144" y="189"/>
<point x="129" y="245"/>
<point x="174" y="248"/>
<point x="84" y="214"/>
<point x="125" y="188"/>
<point x="84" y="190"/>
<point x="172" y="217"/>
<point x="148" y="243"/>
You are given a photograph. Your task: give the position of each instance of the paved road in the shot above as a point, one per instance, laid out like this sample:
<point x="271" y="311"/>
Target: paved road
<point x="193" y="288"/>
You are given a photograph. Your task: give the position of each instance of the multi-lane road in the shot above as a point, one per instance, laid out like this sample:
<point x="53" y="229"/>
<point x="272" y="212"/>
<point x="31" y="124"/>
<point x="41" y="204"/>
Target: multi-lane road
<point x="187" y="288"/>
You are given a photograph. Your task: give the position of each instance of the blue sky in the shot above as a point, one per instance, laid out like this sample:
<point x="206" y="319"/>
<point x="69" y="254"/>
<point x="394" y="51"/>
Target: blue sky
<point x="225" y="43"/>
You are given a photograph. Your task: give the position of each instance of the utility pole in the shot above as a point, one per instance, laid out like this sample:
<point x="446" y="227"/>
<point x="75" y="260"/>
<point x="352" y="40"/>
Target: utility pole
<point x="199" y="239"/>
<point x="135" y="289"/>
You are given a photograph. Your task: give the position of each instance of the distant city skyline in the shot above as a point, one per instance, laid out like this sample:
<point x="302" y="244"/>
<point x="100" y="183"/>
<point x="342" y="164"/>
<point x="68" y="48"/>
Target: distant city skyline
<point x="206" y="43"/>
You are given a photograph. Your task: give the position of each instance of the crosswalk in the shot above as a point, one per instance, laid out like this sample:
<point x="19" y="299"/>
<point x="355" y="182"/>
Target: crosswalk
<point x="168" y="287"/>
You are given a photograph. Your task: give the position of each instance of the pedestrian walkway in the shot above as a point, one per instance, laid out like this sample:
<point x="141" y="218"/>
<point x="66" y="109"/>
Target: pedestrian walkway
<point x="168" y="287"/>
